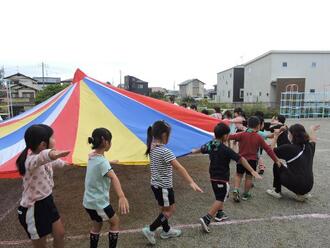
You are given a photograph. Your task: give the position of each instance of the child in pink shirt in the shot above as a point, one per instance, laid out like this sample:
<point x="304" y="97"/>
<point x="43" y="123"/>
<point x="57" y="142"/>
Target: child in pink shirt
<point x="37" y="212"/>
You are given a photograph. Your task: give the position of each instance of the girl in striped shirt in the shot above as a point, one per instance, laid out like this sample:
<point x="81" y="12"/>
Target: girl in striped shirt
<point x="162" y="160"/>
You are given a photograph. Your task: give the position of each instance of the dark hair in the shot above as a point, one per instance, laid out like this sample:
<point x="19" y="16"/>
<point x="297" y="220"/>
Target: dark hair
<point x="259" y="113"/>
<point x="184" y="105"/>
<point x="281" y="118"/>
<point x="238" y="110"/>
<point x="156" y="131"/>
<point x="205" y="111"/>
<point x="97" y="135"/>
<point x="33" y="137"/>
<point x="261" y="119"/>
<point x="253" y="122"/>
<point x="217" y="109"/>
<point x="227" y="114"/>
<point x="220" y="130"/>
<point x="299" y="134"/>
<point x="193" y="106"/>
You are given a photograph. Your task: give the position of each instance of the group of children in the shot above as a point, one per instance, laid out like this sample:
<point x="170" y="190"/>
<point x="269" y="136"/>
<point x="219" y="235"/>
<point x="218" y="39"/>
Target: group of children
<point x="39" y="216"/>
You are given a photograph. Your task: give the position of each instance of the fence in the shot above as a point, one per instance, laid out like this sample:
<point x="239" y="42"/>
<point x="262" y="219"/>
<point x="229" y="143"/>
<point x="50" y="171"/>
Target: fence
<point x="296" y="104"/>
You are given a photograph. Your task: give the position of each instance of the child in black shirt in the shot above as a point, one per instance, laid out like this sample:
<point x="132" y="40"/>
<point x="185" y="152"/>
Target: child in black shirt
<point x="220" y="156"/>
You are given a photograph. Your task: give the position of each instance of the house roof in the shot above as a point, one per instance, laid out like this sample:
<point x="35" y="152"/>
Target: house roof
<point x="20" y="75"/>
<point x="231" y="68"/>
<point x="190" y="81"/>
<point x="286" y="52"/>
<point x="32" y="86"/>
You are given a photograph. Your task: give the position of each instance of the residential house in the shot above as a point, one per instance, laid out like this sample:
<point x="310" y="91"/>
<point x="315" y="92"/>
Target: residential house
<point x="192" y="88"/>
<point x="136" y="85"/>
<point x="23" y="90"/>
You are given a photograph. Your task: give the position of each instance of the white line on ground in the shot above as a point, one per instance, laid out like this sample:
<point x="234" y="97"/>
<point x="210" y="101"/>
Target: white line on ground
<point x="187" y="226"/>
<point x="2" y="217"/>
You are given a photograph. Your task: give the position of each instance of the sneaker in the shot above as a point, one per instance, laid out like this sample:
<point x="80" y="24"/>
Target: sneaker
<point x="302" y="198"/>
<point x="246" y="196"/>
<point x="204" y="224"/>
<point x="273" y="193"/>
<point x="149" y="235"/>
<point x="172" y="233"/>
<point x="236" y="195"/>
<point x="221" y="216"/>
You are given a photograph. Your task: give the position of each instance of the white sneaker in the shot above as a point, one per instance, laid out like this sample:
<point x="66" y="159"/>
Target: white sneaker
<point x="273" y="193"/>
<point x="302" y="198"/>
<point x="149" y="235"/>
<point x="172" y="233"/>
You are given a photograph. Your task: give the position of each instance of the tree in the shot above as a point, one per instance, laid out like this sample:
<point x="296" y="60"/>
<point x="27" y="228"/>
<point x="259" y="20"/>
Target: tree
<point x="49" y="91"/>
<point x="157" y="95"/>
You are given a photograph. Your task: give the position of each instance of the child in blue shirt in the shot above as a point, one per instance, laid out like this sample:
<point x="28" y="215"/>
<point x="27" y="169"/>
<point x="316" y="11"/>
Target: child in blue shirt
<point x="99" y="176"/>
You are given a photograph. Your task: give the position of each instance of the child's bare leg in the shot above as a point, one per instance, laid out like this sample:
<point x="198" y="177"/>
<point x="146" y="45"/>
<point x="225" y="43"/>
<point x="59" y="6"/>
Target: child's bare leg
<point x="238" y="180"/>
<point x="40" y="243"/>
<point x="58" y="234"/>
<point x="114" y="230"/>
<point x="95" y="233"/>
<point x="216" y="206"/>
<point x="248" y="183"/>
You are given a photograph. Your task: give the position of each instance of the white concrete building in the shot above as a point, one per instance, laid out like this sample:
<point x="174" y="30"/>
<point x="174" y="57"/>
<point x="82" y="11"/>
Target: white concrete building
<point x="230" y="84"/>
<point x="192" y="88"/>
<point x="266" y="76"/>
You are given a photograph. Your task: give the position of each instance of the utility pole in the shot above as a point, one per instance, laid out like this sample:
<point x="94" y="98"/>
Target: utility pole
<point x="120" y="77"/>
<point x="43" y="75"/>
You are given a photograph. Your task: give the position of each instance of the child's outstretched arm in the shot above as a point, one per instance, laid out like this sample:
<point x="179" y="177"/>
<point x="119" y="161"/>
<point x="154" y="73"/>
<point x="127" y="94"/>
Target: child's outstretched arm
<point x="312" y="134"/>
<point x="183" y="172"/>
<point x="122" y="201"/>
<point x="247" y="166"/>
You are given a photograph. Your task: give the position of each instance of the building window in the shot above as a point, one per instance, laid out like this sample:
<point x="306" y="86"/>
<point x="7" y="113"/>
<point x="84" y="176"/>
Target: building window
<point x="249" y="70"/>
<point x="230" y="75"/>
<point x="247" y="93"/>
<point x="267" y="94"/>
<point x="284" y="64"/>
<point x="226" y="82"/>
<point x="250" y="93"/>
<point x="140" y="86"/>
<point x="313" y="64"/>
<point x="312" y="90"/>
<point x="259" y="93"/>
<point x="228" y="93"/>
<point x="241" y="93"/>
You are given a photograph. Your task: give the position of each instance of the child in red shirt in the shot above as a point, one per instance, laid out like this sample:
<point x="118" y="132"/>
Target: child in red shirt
<point x="249" y="143"/>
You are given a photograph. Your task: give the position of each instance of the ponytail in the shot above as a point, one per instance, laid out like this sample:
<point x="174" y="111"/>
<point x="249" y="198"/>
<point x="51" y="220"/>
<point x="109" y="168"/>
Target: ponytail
<point x="149" y="140"/>
<point x="20" y="162"/>
<point x="98" y="135"/>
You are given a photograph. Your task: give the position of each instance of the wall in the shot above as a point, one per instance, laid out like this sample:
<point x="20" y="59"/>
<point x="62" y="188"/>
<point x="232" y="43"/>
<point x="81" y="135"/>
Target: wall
<point x="225" y="84"/>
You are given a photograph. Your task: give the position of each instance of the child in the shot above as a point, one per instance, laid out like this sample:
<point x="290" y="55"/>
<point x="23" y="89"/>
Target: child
<point x="161" y="162"/>
<point x="37" y="212"/>
<point x="99" y="176"/>
<point x="249" y="143"/>
<point x="220" y="156"/>
<point x="217" y="113"/>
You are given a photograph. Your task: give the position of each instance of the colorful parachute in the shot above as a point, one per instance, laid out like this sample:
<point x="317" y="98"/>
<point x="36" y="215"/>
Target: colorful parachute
<point x="87" y="104"/>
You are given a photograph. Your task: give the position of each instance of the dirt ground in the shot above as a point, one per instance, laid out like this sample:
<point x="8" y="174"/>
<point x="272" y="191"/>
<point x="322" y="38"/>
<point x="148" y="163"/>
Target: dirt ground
<point x="260" y="230"/>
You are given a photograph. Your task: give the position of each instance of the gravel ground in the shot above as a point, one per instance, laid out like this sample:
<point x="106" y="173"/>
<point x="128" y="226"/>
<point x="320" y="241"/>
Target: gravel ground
<point x="308" y="232"/>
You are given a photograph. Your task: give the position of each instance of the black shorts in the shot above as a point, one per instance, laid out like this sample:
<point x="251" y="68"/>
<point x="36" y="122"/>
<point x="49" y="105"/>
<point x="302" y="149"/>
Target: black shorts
<point x="221" y="190"/>
<point x="37" y="220"/>
<point x="240" y="169"/>
<point x="165" y="197"/>
<point x="100" y="215"/>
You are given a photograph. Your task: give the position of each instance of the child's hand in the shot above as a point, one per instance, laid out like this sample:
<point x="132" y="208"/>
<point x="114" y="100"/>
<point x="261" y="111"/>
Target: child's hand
<point x="53" y="154"/>
<point x="195" y="187"/>
<point x="256" y="175"/>
<point x="194" y="150"/>
<point x="315" y="127"/>
<point x="114" y="161"/>
<point x="123" y="205"/>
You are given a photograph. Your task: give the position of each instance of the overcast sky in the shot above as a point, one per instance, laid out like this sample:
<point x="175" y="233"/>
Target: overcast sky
<point x="161" y="42"/>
